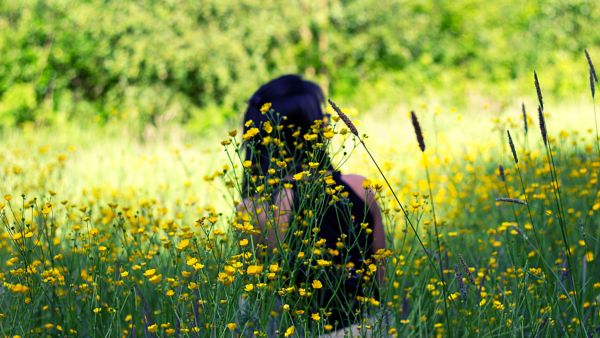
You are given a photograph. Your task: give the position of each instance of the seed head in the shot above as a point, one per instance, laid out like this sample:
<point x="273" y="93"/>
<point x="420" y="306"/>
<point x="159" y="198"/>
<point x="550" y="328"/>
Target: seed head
<point x="512" y="147"/>
<point x="543" y="125"/>
<point x="524" y="117"/>
<point x="344" y="118"/>
<point x="466" y="269"/>
<point x="538" y="90"/>
<point x="501" y="172"/>
<point x="418" y="132"/>
<point x="511" y="200"/>
<point x="591" y="65"/>
<point x="592" y="84"/>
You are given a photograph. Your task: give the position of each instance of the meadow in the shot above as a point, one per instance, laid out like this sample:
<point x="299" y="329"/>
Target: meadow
<point x="104" y="234"/>
<point x="122" y="168"/>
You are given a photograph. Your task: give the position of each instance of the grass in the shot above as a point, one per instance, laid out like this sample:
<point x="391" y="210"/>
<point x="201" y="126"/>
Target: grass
<point x="118" y="237"/>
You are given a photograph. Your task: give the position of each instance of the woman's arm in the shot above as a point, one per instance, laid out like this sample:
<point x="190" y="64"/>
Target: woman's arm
<point x="271" y="221"/>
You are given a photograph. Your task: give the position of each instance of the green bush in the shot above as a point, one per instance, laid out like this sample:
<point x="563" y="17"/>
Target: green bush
<point x="154" y="62"/>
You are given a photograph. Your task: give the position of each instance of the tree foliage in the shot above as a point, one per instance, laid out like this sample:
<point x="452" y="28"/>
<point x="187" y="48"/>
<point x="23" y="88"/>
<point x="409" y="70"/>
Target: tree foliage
<point x="154" y="61"/>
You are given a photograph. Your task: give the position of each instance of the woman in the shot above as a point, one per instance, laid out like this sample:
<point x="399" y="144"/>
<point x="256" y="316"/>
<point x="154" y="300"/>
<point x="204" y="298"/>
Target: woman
<point x="325" y="226"/>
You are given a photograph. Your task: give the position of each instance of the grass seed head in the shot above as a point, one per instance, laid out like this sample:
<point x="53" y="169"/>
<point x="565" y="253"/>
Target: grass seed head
<point x="344" y="118"/>
<point x="591" y="65"/>
<point x="592" y="84"/>
<point x="524" y="117"/>
<point x="512" y="147"/>
<point x="511" y="200"/>
<point x="543" y="125"/>
<point x="418" y="130"/>
<point x="466" y="269"/>
<point x="538" y="89"/>
<point x="501" y="173"/>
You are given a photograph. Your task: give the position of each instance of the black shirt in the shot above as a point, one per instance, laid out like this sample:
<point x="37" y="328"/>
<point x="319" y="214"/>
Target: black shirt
<point x="345" y="223"/>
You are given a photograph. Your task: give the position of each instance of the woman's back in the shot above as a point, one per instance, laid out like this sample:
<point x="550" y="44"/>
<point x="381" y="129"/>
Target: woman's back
<point x="346" y="226"/>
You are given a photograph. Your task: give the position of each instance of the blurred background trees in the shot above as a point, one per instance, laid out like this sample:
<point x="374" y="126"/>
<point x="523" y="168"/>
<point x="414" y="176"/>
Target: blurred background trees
<point x="196" y="62"/>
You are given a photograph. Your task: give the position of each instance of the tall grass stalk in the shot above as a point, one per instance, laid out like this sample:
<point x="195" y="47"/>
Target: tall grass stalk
<point x="421" y="142"/>
<point x="522" y="183"/>
<point x="538" y="244"/>
<point x="558" y="202"/>
<point x="354" y="131"/>
<point x="593" y="83"/>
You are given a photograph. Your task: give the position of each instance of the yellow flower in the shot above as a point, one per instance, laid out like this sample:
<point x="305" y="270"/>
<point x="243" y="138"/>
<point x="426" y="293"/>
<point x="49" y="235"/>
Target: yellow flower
<point x="454" y="296"/>
<point x="315" y="317"/>
<point x="289" y="331"/>
<point x="170" y="293"/>
<point x="274" y="267"/>
<point x="366" y="184"/>
<point x="247" y="164"/>
<point x="310" y="137"/>
<point x="249" y="287"/>
<point x="153" y="328"/>
<point x="250" y="133"/>
<point x="232" y="326"/>
<point x="155" y="279"/>
<point x="191" y="261"/>
<point x="224" y="278"/>
<point x="243" y="242"/>
<point x="316" y="284"/>
<point x="267" y="127"/>
<point x="265" y="107"/>
<point x="322" y="262"/>
<point x="150" y="272"/>
<point x="299" y="176"/>
<point x="254" y="269"/>
<point x="184" y="243"/>
<point x="589" y="256"/>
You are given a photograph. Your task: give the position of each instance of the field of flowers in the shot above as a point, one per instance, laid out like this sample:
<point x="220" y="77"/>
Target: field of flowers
<point x="494" y="235"/>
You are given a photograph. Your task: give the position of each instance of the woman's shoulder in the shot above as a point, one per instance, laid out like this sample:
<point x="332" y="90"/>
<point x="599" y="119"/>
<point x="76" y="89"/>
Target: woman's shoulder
<point x="356" y="183"/>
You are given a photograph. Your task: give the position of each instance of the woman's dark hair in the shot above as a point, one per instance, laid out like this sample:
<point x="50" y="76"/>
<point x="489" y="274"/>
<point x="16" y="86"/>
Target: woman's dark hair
<point x="296" y="104"/>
